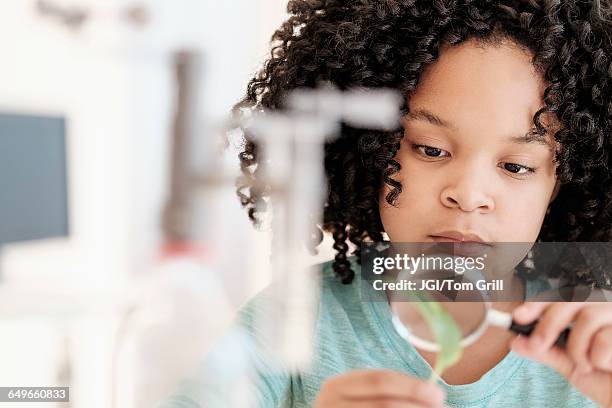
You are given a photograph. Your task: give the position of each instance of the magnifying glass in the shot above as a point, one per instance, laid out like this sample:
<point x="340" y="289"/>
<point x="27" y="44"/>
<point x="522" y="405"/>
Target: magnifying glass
<point x="472" y="312"/>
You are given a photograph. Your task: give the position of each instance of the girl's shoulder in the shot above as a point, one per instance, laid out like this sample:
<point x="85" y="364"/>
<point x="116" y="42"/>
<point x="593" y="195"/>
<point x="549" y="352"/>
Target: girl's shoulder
<point x="329" y="290"/>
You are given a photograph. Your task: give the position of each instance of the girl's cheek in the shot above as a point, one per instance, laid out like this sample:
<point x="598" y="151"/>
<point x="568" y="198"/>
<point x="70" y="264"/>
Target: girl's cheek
<point x="521" y="219"/>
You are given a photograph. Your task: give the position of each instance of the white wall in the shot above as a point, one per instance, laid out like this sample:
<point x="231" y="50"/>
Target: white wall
<point x="113" y="83"/>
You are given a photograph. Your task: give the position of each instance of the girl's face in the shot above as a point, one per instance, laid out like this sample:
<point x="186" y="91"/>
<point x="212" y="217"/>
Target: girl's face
<point x="470" y="168"/>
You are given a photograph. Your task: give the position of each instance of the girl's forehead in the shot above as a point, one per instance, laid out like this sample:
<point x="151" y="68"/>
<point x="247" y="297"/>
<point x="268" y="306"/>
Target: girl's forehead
<point x="478" y="75"/>
<point x="476" y="88"/>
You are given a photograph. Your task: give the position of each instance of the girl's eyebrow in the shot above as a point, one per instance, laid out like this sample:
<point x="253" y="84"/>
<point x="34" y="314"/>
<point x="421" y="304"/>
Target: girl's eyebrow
<point x="532" y="136"/>
<point x="430" y="117"/>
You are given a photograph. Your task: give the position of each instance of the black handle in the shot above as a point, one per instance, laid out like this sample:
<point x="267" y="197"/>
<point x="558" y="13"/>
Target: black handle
<point x="527" y="329"/>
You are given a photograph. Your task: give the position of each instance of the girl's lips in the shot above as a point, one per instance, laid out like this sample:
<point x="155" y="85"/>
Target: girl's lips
<point x="463" y="248"/>
<point x="448" y="239"/>
<point x="453" y="235"/>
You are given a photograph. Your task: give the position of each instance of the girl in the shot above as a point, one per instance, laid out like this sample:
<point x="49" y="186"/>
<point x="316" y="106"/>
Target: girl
<point x="504" y="138"/>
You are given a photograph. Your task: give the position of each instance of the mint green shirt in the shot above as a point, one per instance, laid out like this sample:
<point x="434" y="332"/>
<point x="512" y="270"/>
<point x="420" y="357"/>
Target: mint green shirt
<point x="354" y="334"/>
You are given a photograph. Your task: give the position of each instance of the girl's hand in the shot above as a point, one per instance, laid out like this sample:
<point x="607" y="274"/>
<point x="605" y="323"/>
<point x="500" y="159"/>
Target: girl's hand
<point x="378" y="388"/>
<point x="587" y="359"/>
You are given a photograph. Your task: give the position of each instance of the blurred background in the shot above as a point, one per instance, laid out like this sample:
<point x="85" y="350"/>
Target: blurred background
<point x="90" y="296"/>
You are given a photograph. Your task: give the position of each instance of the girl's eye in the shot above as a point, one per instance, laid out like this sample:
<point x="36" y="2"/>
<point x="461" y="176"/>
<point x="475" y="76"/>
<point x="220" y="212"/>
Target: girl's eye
<point x="431" y="151"/>
<point x="517" y="168"/>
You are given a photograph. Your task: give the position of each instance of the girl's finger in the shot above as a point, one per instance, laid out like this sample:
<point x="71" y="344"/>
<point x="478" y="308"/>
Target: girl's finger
<point x="529" y="311"/>
<point x="382" y="403"/>
<point x="588" y="322"/>
<point x="601" y="349"/>
<point x="555" y="318"/>
<point x="387" y="384"/>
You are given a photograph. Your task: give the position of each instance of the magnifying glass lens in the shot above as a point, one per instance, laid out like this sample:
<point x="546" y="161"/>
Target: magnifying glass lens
<point x="469" y="316"/>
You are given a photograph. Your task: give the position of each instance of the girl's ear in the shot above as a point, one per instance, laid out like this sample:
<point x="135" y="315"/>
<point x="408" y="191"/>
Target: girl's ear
<point x="555" y="191"/>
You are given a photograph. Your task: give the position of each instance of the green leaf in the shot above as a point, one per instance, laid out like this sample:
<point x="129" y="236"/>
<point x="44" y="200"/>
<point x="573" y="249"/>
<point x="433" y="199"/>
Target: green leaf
<point x="444" y="329"/>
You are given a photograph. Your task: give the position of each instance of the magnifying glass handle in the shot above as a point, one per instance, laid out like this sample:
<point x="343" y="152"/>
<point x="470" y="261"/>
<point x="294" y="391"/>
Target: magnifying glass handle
<point x="527" y="329"/>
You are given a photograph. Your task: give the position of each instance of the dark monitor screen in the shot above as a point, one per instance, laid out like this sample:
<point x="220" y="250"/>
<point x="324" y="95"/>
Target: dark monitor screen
<point x="33" y="184"/>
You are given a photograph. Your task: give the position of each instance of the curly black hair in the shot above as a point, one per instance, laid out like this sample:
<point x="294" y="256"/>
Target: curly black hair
<point x="388" y="43"/>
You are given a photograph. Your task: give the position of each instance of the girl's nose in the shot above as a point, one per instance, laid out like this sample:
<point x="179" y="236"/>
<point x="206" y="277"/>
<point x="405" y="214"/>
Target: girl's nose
<point x="469" y="191"/>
